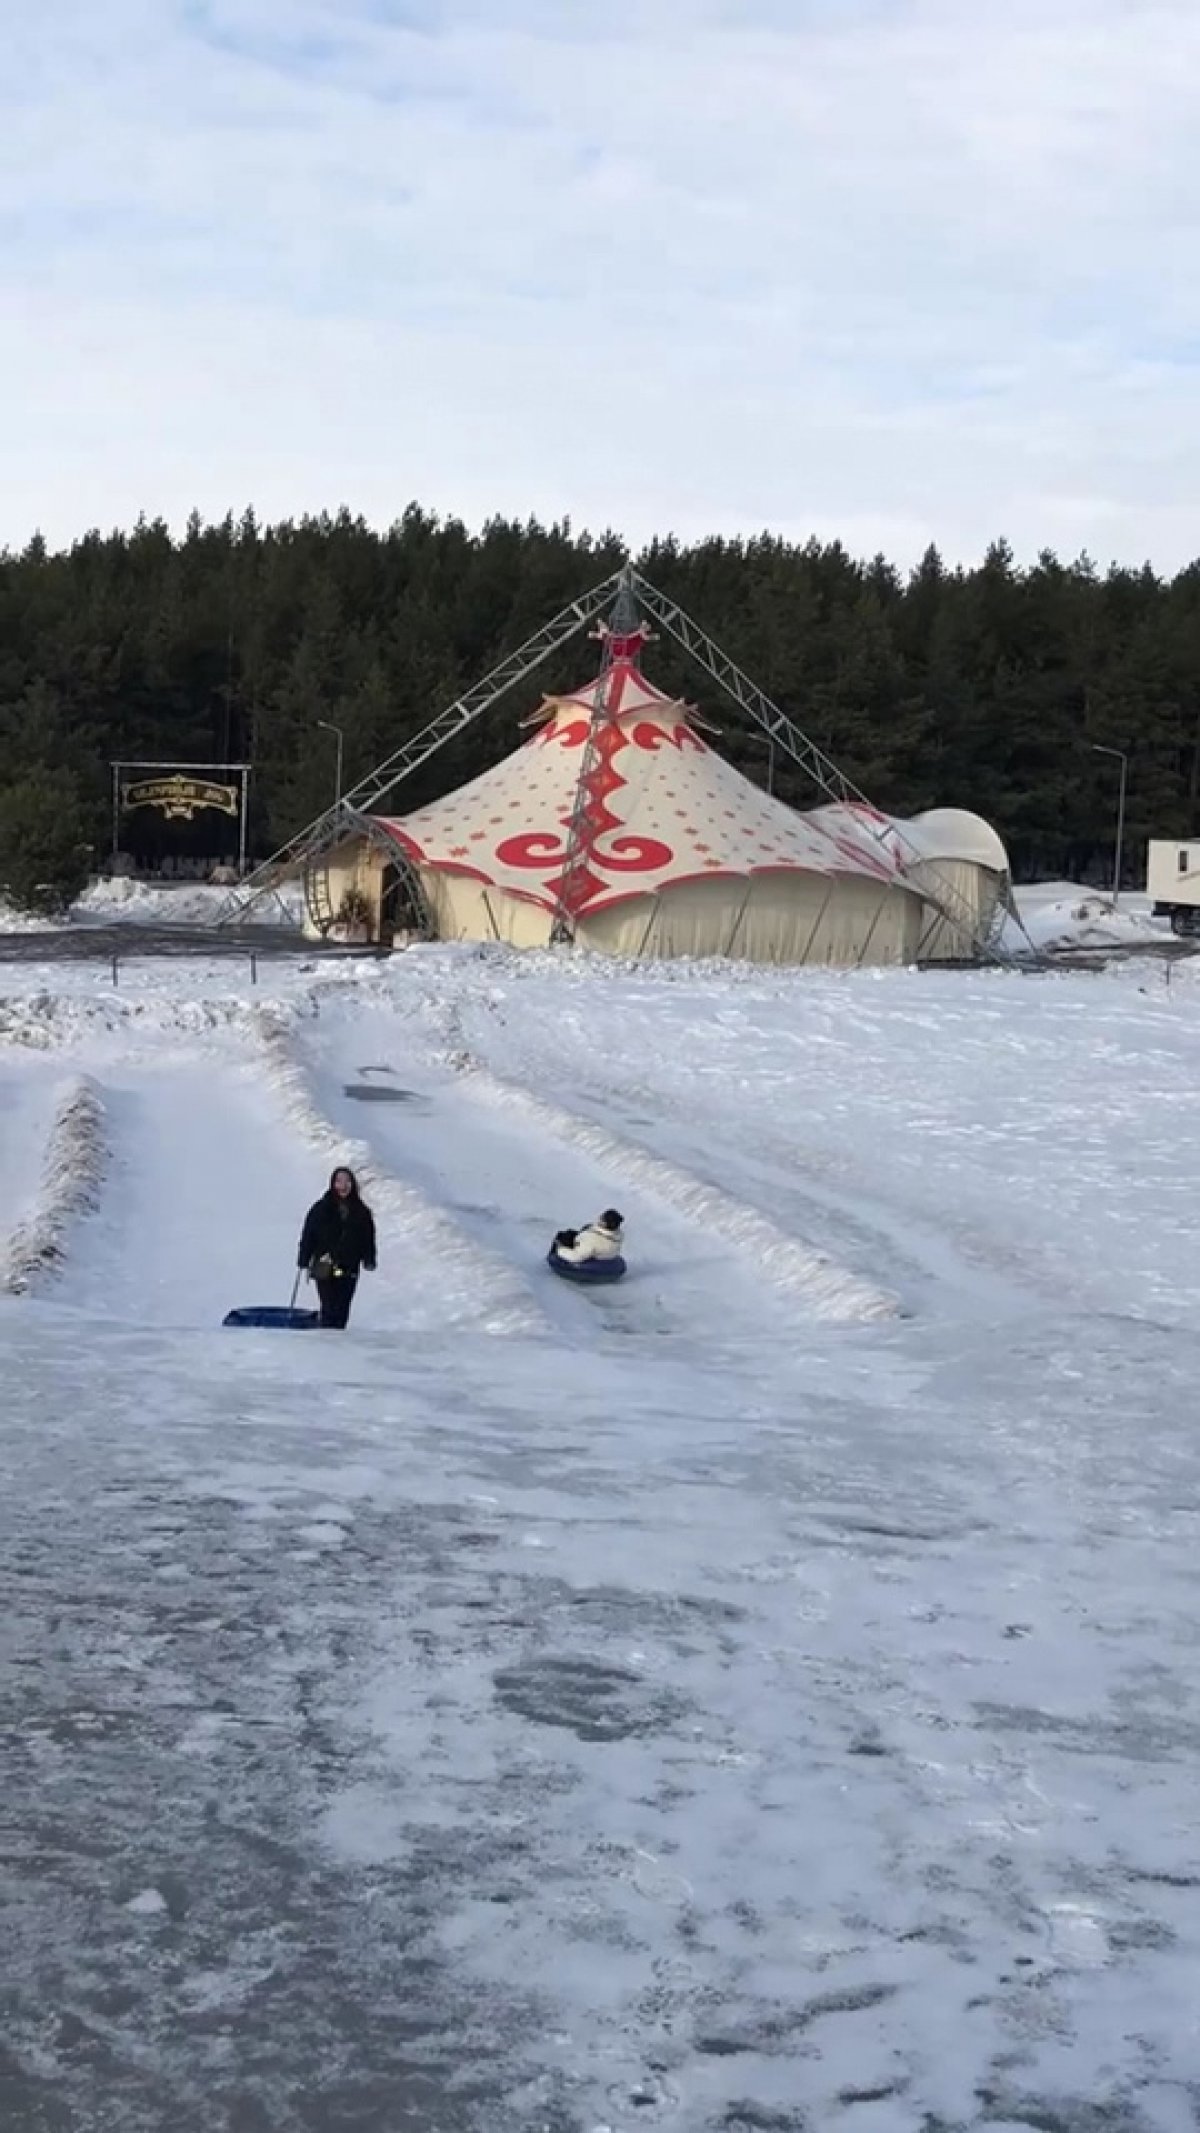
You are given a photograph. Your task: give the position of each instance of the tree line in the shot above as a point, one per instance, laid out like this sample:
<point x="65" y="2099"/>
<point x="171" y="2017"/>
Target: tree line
<point x="989" y="688"/>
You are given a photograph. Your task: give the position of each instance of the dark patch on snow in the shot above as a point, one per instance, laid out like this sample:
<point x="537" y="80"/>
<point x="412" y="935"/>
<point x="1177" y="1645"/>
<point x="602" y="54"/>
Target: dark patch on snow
<point x="1138" y="1739"/>
<point x="878" y="1529"/>
<point x="587" y="1697"/>
<point x="369" y="1092"/>
<point x="761" y="2118"/>
<point x="773" y="2031"/>
<point x="1065" y="2114"/>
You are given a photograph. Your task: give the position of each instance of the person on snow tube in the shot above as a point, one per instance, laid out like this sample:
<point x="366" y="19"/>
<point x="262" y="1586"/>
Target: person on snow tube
<point x="602" y="1239"/>
<point x="337" y="1242"/>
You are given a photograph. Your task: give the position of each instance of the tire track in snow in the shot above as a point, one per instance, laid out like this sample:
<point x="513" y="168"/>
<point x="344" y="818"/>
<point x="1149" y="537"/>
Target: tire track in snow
<point x="493" y="1297"/>
<point x="73" y="1171"/>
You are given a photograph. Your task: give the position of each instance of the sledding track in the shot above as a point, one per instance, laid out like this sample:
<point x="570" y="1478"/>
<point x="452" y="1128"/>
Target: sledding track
<point x="509" y="1172"/>
<point x="199" y="1202"/>
<point x="169" y="1182"/>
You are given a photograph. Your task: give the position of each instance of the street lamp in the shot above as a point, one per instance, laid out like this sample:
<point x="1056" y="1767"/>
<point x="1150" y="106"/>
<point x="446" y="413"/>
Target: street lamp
<point x="325" y="726"/>
<point x="1123" y="760"/>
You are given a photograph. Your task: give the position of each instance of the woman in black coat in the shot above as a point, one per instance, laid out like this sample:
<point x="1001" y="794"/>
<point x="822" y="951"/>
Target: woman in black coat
<point x="337" y="1242"/>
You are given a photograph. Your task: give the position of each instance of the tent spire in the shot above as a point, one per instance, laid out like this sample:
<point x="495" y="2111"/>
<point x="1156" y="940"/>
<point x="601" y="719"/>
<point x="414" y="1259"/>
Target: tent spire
<point x="622" y="636"/>
<point x="626" y="615"/>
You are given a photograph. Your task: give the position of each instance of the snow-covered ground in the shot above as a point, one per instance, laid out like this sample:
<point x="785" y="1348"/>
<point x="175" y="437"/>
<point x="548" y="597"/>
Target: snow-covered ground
<point x="763" y="1696"/>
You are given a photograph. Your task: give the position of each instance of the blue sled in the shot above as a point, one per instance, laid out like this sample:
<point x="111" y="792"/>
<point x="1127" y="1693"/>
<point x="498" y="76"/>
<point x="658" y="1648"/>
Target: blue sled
<point x="587" y="1271"/>
<point x="270" y="1315"/>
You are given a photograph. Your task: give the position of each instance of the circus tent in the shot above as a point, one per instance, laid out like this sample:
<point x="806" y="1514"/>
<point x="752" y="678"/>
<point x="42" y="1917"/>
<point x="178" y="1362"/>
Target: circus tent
<point x="618" y="815"/>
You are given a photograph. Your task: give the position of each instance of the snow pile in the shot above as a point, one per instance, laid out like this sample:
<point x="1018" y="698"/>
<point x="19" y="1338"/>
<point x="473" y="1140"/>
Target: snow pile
<point x="73" y="1171"/>
<point x="1058" y="918"/>
<point x="42" y="1019"/>
<point x="14" y="921"/>
<point x="154" y="903"/>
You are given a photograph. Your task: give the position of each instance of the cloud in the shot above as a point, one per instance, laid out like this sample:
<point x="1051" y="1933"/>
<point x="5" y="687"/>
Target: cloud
<point x="895" y="270"/>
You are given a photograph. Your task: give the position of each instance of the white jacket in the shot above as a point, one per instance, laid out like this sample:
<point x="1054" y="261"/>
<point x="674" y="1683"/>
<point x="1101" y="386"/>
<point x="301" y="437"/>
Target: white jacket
<point x="592" y="1243"/>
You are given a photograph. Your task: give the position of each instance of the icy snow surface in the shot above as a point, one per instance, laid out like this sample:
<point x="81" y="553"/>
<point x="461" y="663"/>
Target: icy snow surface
<point x="762" y="1696"/>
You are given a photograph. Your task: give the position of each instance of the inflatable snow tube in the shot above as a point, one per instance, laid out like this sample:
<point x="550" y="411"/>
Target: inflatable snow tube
<point x="588" y="1272"/>
<point x="270" y="1315"/>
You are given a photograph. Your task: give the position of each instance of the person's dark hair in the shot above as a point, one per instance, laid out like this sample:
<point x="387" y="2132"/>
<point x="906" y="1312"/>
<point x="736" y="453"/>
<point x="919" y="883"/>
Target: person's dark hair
<point x="610" y="1219"/>
<point x="343" y="1170"/>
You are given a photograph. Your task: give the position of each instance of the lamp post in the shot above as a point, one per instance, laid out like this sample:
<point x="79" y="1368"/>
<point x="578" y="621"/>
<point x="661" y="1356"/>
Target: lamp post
<point x="1123" y="760"/>
<point x="325" y="726"/>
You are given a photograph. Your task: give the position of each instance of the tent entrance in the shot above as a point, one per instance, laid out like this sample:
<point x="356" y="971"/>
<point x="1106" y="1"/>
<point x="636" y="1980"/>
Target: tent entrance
<point x="403" y="905"/>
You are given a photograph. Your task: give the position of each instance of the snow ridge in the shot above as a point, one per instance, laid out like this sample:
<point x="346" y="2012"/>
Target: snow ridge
<point x="73" y="1171"/>
<point x="830" y="1290"/>
<point x="482" y="1277"/>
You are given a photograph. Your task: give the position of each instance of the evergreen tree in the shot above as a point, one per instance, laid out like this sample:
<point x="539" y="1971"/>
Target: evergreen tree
<point x="45" y="853"/>
<point x="987" y="688"/>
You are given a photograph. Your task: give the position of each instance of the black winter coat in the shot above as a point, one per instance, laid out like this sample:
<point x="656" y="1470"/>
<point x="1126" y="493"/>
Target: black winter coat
<point x="341" y="1230"/>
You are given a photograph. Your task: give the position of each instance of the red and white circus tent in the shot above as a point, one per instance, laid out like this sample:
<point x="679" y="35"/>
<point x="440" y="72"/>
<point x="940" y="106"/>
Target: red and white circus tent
<point x="619" y="814"/>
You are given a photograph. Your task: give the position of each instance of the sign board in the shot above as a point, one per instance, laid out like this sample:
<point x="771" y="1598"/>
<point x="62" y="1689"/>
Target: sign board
<point x="180" y="817"/>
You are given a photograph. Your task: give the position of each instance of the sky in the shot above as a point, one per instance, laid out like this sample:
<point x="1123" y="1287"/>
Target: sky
<point x="886" y="271"/>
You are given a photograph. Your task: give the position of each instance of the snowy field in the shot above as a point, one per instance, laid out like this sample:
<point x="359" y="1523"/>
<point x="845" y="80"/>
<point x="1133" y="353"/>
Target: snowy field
<point x="762" y="1697"/>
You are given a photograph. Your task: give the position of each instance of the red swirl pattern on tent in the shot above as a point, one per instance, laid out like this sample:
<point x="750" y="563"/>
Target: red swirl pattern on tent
<point x="651" y="737"/>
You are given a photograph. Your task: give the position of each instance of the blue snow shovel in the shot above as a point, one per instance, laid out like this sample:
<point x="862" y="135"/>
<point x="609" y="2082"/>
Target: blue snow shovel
<point x="273" y="1314"/>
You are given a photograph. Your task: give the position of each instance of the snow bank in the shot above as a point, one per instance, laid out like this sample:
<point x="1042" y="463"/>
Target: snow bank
<point x="45" y="1018"/>
<point x="153" y="903"/>
<point x="14" y="921"/>
<point x="72" y="1175"/>
<point x="497" y="1300"/>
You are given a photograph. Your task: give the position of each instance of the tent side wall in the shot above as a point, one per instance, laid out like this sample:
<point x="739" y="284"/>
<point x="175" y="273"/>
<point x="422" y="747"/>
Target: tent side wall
<point x="769" y="918"/>
<point x="467" y="910"/>
<point x="973" y="889"/>
<point x="839" y="921"/>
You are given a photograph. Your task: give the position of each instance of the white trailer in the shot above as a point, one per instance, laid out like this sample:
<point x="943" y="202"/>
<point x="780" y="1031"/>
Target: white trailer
<point x="1173" y="880"/>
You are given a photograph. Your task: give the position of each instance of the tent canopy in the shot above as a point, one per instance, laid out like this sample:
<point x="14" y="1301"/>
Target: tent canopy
<point x="662" y="809"/>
